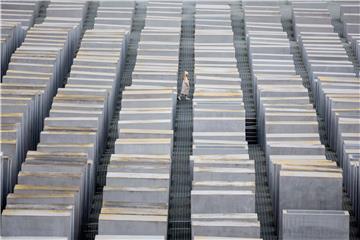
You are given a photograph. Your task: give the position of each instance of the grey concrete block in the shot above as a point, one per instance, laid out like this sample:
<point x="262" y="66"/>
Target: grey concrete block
<point x="128" y="237"/>
<point x="141" y="194"/>
<point x="144" y="146"/>
<point x="226" y="228"/>
<point x="306" y="194"/>
<point x="112" y="224"/>
<point x="222" y="201"/>
<point x="37" y="223"/>
<point x="223" y="174"/>
<point x="218" y="124"/>
<point x="315" y="224"/>
<point x="223" y="185"/>
<point x="158" y="180"/>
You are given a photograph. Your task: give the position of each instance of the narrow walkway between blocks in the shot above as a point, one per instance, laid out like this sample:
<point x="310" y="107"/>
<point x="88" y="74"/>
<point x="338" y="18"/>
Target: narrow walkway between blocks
<point x="179" y="220"/>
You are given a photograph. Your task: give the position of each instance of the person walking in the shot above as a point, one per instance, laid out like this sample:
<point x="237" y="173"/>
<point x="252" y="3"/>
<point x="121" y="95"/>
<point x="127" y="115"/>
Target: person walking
<point x="185" y="87"/>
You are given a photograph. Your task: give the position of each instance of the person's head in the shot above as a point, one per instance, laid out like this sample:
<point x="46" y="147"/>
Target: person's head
<point x="186" y="74"/>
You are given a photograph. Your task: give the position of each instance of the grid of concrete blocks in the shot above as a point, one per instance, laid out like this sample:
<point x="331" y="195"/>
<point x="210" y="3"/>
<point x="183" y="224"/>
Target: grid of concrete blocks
<point x="51" y="188"/>
<point x="223" y="188"/>
<point x="136" y="194"/>
<point x="305" y="187"/>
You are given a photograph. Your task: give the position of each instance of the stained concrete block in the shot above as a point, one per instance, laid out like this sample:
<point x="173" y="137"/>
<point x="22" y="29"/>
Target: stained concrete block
<point x="51" y="137"/>
<point x="140" y="159"/>
<point x="139" y="168"/>
<point x="235" y="163"/>
<point x="226" y="228"/>
<point x="78" y="148"/>
<point x="26" y="199"/>
<point x="37" y="223"/>
<point x="223" y="185"/>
